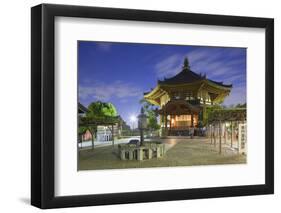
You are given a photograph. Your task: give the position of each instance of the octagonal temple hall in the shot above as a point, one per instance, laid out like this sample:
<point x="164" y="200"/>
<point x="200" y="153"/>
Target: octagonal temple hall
<point x="184" y="99"/>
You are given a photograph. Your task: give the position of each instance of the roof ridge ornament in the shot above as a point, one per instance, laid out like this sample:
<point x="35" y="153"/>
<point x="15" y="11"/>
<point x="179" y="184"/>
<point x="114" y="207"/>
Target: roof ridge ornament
<point x="186" y="64"/>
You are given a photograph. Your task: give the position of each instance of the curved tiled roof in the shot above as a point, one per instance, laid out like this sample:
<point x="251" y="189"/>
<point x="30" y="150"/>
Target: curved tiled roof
<point x="188" y="76"/>
<point x="82" y="108"/>
<point x="185" y="76"/>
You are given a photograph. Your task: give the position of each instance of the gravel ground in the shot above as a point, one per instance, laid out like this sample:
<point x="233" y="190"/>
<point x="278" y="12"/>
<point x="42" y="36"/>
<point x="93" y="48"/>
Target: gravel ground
<point x="181" y="152"/>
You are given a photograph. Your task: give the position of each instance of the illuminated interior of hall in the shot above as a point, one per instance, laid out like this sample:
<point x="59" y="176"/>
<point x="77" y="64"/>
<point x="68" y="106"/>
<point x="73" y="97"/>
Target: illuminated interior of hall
<point x="183" y="99"/>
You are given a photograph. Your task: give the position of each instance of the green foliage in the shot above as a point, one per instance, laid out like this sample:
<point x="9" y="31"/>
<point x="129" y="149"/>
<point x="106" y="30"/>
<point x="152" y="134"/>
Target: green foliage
<point x="101" y="110"/>
<point x="146" y="105"/>
<point x="98" y="112"/>
<point x="149" y="110"/>
<point x="82" y="130"/>
<point x="241" y="105"/>
<point x="209" y="112"/>
<point x="152" y="120"/>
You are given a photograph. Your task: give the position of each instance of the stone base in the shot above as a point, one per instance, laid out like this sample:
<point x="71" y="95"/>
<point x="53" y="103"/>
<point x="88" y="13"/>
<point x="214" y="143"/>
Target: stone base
<point x="148" y="151"/>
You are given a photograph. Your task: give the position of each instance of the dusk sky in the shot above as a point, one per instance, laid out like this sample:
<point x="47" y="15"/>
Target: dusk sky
<point x="121" y="72"/>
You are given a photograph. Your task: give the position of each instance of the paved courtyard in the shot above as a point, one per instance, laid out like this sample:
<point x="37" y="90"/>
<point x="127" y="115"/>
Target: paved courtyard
<point x="180" y="152"/>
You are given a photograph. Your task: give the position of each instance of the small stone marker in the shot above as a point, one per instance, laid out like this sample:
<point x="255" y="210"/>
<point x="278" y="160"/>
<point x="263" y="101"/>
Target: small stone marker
<point x="158" y="152"/>
<point x="149" y="153"/>
<point x="131" y="154"/>
<point x="140" y="154"/>
<point x="123" y="154"/>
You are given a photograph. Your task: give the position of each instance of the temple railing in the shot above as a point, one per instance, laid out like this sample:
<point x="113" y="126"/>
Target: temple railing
<point x="194" y="102"/>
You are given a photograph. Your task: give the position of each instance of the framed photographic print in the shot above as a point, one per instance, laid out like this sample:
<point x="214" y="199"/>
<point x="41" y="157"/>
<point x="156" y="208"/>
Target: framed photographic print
<point x="139" y="106"/>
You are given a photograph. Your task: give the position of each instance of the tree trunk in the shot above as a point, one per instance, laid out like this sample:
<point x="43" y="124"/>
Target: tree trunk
<point x="92" y="134"/>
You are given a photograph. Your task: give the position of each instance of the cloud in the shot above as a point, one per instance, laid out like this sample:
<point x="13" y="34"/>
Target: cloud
<point x="238" y="79"/>
<point x="104" y="92"/>
<point x="237" y="95"/>
<point x="218" y="63"/>
<point x="169" y="66"/>
<point x="104" y="46"/>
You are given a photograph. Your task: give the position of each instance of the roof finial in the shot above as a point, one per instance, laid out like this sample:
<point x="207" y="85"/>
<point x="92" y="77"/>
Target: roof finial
<point x="186" y="64"/>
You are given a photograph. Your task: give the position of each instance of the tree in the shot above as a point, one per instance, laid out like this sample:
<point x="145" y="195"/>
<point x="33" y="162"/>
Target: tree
<point x="152" y="120"/>
<point x="241" y="105"/>
<point x="150" y="111"/>
<point x="210" y="111"/>
<point x="100" y="109"/>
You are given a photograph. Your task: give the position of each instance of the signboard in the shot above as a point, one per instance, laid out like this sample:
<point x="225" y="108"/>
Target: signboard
<point x="242" y="138"/>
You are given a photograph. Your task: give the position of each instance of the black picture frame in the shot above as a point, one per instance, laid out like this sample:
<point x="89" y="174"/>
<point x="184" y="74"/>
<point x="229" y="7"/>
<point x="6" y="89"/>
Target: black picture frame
<point x="43" y="114"/>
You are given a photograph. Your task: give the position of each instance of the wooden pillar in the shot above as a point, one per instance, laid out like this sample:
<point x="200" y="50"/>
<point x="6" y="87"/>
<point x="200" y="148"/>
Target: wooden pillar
<point x="112" y="126"/>
<point x="225" y="132"/>
<point x="220" y="136"/>
<point x="237" y="122"/>
<point x="81" y="140"/>
<point x="231" y="137"/>
<point x="170" y="121"/>
<point x="166" y="121"/>
<point x="165" y="124"/>
<point x="236" y="138"/>
<point x="93" y="145"/>
<point x="211" y="131"/>
<point x="78" y="150"/>
<point x="204" y="115"/>
<point x="215" y="132"/>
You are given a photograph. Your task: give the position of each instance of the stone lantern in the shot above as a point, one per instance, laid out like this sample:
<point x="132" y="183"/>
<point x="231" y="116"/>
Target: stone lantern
<point x="142" y="124"/>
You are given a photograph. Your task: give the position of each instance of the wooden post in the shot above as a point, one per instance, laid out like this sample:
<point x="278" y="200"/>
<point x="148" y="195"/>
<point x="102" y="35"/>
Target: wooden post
<point x="231" y="137"/>
<point x="220" y="136"/>
<point x="170" y="122"/>
<point x="225" y="132"/>
<point x="78" y="151"/>
<point x="237" y="123"/>
<point x="93" y="145"/>
<point x="237" y="142"/>
<point x="215" y="132"/>
<point x="211" y="131"/>
<point x="166" y="121"/>
<point x="112" y="135"/>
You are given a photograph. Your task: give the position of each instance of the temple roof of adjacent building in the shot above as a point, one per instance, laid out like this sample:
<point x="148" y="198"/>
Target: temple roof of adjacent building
<point x="82" y="108"/>
<point x="188" y="76"/>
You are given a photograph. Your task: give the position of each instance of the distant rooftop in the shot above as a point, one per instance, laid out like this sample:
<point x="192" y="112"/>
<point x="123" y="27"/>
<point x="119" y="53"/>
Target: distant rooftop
<point x="82" y="108"/>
